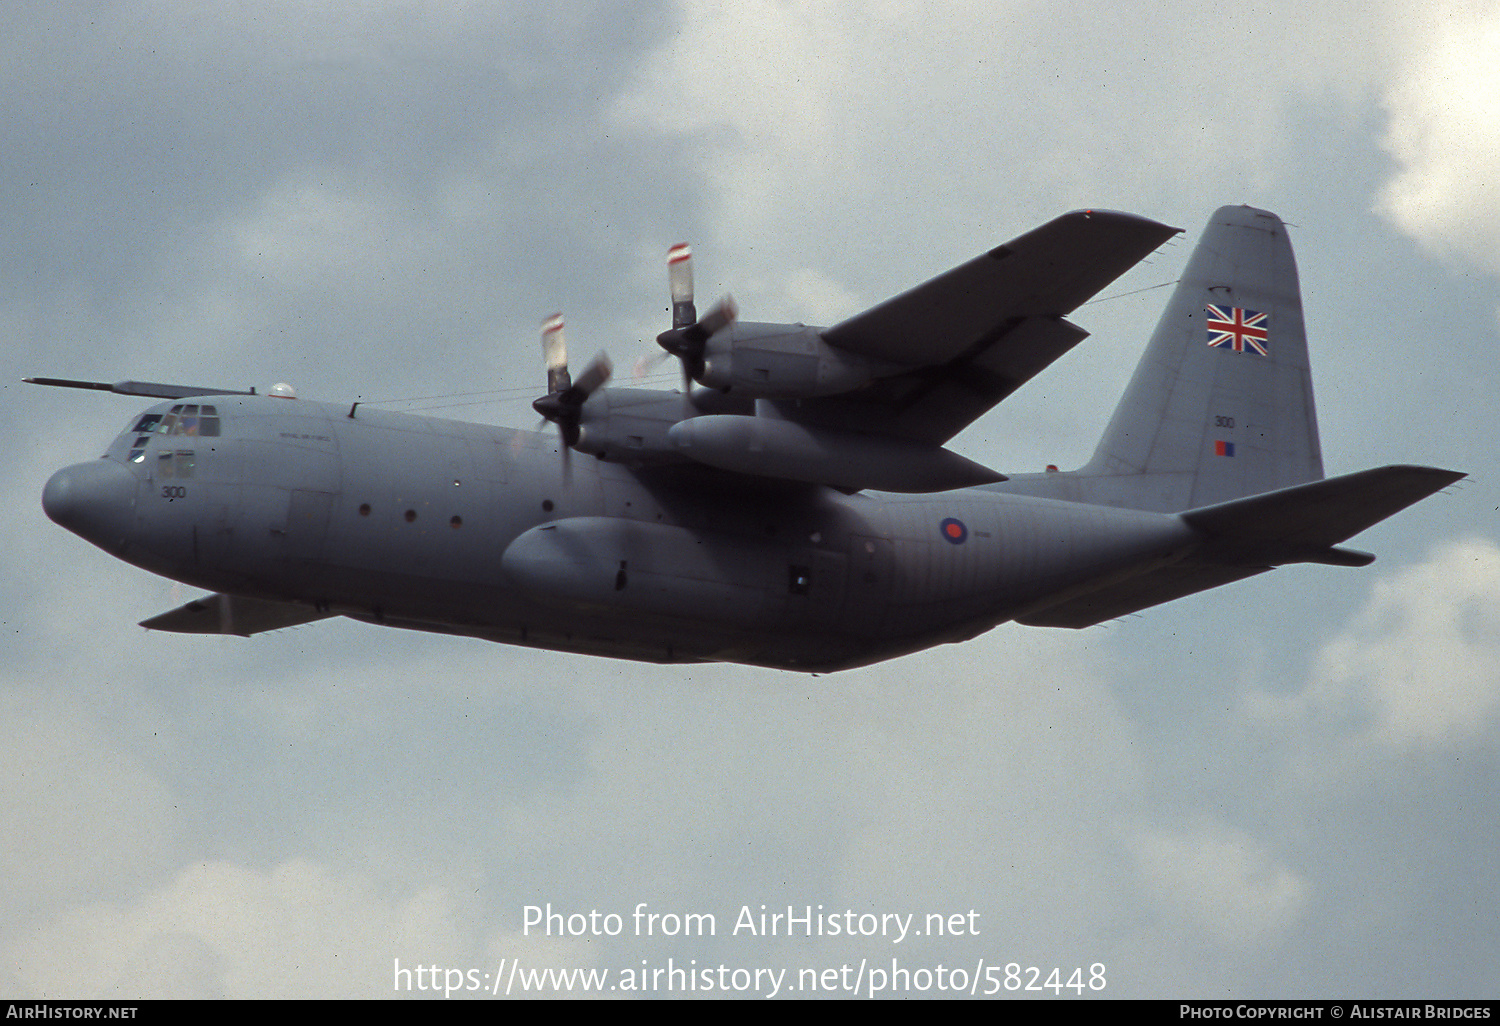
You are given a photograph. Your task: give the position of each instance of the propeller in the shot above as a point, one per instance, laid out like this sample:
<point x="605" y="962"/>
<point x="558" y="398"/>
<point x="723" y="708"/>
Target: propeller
<point x="688" y="337"/>
<point x="563" y="403"/>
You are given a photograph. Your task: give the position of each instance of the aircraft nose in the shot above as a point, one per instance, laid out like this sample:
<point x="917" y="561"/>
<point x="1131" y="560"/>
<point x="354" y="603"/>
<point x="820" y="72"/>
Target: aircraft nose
<point x="93" y="500"/>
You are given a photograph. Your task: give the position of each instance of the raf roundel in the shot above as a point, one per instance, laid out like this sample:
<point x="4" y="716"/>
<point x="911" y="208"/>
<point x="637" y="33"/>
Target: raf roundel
<point x="954" y="532"/>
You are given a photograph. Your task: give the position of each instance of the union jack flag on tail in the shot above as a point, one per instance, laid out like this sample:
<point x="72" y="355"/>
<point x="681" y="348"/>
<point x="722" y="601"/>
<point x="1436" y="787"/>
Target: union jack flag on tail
<point x="1244" y="331"/>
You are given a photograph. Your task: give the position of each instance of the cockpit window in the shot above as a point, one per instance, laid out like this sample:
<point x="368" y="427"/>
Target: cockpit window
<point x="142" y="431"/>
<point x="192" y="420"/>
<point x="185" y="420"/>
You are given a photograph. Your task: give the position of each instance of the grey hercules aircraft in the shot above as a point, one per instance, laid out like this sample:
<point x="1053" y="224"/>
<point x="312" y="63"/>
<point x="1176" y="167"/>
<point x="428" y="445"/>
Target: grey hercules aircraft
<point x="797" y="508"/>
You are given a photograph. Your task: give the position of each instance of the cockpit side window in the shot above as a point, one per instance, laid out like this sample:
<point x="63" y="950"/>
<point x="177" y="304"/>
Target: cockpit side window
<point x="142" y="431"/>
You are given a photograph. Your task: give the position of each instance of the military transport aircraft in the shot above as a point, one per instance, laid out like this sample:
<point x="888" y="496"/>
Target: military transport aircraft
<point x="794" y="505"/>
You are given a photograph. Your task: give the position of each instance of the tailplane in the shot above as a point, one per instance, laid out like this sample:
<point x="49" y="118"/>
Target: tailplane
<point x="1244" y="537"/>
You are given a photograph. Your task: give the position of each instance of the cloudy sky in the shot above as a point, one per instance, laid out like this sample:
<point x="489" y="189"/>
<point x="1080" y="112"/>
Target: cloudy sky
<point x="1282" y="788"/>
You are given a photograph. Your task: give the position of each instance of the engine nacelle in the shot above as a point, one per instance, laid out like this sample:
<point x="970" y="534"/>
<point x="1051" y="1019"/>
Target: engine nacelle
<point x="630" y="425"/>
<point x="783" y="361"/>
<point x="840" y="459"/>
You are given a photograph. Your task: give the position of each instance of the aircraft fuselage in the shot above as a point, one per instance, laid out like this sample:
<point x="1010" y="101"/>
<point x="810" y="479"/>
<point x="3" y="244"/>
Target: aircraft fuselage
<point x="475" y="530"/>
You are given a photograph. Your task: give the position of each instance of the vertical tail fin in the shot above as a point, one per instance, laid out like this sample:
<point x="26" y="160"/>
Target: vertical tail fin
<point x="1221" y="405"/>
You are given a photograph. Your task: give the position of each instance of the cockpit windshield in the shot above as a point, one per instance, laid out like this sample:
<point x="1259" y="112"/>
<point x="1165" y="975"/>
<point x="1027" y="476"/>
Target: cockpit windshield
<point x="185" y="419"/>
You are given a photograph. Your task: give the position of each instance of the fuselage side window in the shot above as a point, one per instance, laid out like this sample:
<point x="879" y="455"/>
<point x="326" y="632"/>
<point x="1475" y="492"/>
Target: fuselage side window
<point x="176" y="464"/>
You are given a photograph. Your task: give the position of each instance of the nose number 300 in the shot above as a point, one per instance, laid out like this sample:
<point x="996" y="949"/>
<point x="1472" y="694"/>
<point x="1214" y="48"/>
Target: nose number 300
<point x="173" y="492"/>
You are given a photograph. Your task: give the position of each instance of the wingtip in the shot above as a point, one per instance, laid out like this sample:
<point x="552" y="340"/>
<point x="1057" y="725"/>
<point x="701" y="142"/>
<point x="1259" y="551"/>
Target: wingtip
<point x="1122" y="217"/>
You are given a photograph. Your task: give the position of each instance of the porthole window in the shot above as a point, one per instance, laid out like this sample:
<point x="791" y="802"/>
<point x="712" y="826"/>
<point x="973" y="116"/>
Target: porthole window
<point x="411" y="516"/>
<point x="799" y="580"/>
<point x="364" y="509"/>
<point x="456" y="522"/>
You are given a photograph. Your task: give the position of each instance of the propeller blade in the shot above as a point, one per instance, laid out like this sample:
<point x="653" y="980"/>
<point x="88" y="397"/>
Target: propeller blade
<point x="689" y="343"/>
<point x="717" y="319"/>
<point x="593" y="376"/>
<point x="555" y="354"/>
<point x="646" y="364"/>
<point x="680" y="278"/>
<point x="563" y="403"/>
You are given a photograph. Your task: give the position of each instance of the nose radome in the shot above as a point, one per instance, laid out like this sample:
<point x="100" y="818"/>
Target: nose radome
<point x="93" y="500"/>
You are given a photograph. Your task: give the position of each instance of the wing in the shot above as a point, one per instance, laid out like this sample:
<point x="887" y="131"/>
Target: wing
<point x="152" y="389"/>
<point x="233" y="614"/>
<point x="975" y="334"/>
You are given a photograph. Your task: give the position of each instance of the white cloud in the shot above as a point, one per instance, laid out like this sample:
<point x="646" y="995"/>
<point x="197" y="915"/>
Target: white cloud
<point x="946" y="123"/>
<point x="221" y="929"/>
<point x="1422" y="659"/>
<point x="1418" y="669"/>
<point x="1220" y="883"/>
<point x="82" y="816"/>
<point x="1444" y="134"/>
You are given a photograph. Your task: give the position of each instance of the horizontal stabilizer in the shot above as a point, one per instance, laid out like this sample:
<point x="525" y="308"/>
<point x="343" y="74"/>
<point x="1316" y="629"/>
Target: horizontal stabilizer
<point x="233" y="614"/>
<point x="1305" y="522"/>
<point x="1245" y="537"/>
